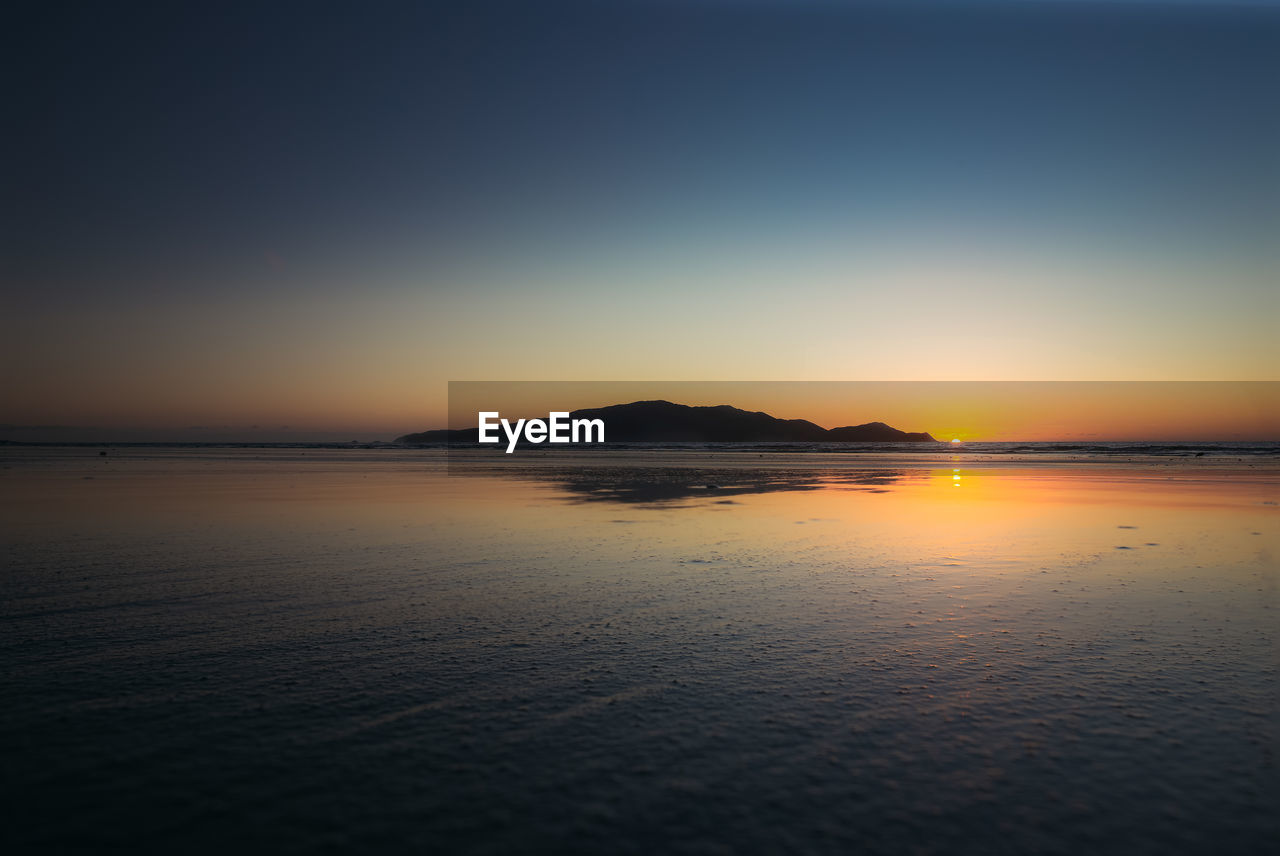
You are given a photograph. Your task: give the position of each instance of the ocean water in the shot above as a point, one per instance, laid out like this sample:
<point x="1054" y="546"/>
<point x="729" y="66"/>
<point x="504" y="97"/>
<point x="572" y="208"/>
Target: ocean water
<point x="659" y="651"/>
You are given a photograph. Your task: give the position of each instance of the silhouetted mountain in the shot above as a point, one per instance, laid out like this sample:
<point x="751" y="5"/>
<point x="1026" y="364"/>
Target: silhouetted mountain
<point x="662" y="421"/>
<point x="665" y="422"/>
<point x="876" y="432"/>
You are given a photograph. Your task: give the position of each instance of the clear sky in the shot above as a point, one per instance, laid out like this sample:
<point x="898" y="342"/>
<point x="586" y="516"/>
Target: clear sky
<point x="315" y="215"/>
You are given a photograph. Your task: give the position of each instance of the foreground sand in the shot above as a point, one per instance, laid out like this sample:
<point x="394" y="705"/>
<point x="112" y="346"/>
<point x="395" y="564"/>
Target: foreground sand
<point x="735" y="654"/>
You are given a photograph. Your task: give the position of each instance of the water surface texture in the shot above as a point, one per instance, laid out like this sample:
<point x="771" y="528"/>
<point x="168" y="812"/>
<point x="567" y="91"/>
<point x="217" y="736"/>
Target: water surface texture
<point x="683" y="652"/>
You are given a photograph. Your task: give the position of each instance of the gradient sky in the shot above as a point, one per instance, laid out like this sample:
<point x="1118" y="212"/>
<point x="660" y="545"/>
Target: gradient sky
<point x="315" y="215"/>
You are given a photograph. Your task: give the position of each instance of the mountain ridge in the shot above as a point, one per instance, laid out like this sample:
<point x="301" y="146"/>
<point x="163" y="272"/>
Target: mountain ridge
<point x="661" y="421"/>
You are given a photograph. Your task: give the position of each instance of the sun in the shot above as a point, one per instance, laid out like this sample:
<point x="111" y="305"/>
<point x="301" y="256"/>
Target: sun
<point x="955" y="439"/>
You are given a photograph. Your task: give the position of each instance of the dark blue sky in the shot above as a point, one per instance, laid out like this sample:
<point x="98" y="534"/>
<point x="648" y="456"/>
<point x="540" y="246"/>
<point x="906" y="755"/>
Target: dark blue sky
<point x="171" y="152"/>
<point x="152" y="131"/>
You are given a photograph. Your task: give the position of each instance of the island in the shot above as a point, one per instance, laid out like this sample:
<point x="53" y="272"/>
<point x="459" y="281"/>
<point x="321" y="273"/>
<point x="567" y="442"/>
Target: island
<point x="667" y="422"/>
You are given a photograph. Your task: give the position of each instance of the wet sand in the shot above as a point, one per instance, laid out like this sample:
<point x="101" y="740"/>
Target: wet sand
<point x="210" y="649"/>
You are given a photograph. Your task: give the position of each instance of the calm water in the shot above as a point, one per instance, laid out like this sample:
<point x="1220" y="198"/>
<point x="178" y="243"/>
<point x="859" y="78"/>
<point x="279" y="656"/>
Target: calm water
<point x="308" y="650"/>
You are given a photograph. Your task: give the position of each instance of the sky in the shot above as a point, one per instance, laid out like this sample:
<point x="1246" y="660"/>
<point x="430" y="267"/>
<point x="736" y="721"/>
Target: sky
<point x="304" y="219"/>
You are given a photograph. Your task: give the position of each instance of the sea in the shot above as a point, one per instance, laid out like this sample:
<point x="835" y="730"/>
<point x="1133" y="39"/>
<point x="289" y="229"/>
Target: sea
<point x="691" y="649"/>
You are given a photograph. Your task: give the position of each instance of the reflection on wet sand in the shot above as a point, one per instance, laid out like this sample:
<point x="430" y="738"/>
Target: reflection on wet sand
<point x="931" y="655"/>
<point x="665" y="487"/>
